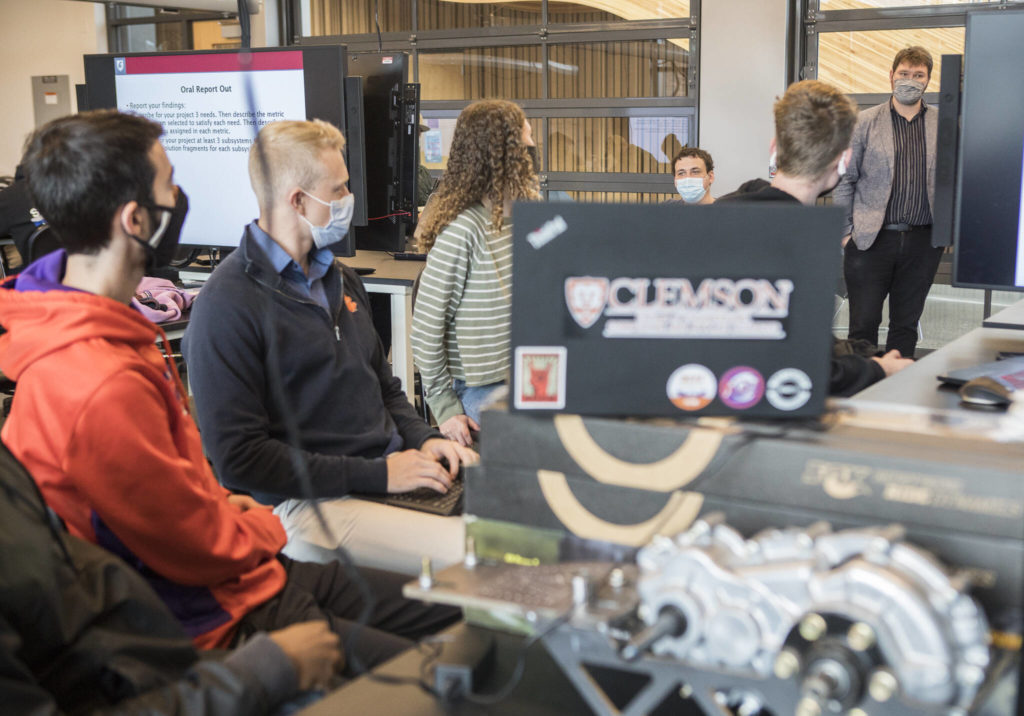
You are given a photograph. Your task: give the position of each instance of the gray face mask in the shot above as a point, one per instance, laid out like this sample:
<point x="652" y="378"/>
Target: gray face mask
<point x="907" y="91"/>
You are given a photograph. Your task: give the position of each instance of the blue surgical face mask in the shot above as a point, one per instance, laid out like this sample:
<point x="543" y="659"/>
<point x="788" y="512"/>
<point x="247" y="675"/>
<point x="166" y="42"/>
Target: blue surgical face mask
<point x="337" y="227"/>
<point x="691" y="189"/>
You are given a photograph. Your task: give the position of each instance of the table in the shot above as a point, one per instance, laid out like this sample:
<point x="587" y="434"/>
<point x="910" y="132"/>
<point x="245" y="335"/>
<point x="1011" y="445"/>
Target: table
<point x="396" y="279"/>
<point x="917" y="385"/>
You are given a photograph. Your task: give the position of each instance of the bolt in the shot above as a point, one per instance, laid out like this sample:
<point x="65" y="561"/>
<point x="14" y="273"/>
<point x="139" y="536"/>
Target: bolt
<point x="616" y="578"/>
<point x="971" y="674"/>
<point x="812" y="627"/>
<point x="787" y="664"/>
<point x="426" y="574"/>
<point x="808" y="707"/>
<point x="580" y="590"/>
<point x="470" y="560"/>
<point x="860" y="637"/>
<point x="749" y="707"/>
<point x="882" y="685"/>
<point x="685" y="691"/>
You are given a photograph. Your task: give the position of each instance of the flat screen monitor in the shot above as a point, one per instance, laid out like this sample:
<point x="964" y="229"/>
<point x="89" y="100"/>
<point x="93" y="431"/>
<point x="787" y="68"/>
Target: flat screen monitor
<point x="211" y="104"/>
<point x="988" y="229"/>
<point x="390" y="111"/>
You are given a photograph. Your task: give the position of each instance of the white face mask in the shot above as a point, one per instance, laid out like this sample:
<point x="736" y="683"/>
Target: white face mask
<point x="841" y="169"/>
<point x="691" y="189"/>
<point x="337" y="226"/>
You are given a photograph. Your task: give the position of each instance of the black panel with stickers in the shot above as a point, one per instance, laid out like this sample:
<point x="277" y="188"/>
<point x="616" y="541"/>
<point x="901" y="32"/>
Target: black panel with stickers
<point x="673" y="310"/>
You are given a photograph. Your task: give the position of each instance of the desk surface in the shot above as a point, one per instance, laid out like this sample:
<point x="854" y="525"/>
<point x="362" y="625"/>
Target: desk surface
<point x="917" y="384"/>
<point x="386" y="269"/>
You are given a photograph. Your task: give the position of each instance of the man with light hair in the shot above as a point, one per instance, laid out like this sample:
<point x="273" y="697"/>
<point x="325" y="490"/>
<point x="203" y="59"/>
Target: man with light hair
<point x="291" y="381"/>
<point x="813" y="125"/>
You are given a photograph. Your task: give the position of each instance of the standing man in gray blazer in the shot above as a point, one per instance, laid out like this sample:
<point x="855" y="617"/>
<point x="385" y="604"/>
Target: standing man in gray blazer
<point x="889" y="192"/>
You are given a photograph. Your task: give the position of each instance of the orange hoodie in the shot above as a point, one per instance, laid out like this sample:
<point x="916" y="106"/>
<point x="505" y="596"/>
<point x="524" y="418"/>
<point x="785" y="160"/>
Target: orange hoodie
<point x="99" y="420"/>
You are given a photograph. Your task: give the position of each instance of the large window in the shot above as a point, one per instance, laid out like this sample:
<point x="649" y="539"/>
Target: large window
<point x="851" y="44"/>
<point x="610" y="86"/>
<point x="134" y="28"/>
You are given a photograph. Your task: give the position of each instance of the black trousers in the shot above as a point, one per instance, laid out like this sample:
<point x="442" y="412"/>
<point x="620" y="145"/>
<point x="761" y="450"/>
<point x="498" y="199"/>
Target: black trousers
<point x="900" y="264"/>
<point x="324" y="591"/>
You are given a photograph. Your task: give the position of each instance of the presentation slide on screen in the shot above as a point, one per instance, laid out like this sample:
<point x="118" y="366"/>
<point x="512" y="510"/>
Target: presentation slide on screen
<point x="202" y="101"/>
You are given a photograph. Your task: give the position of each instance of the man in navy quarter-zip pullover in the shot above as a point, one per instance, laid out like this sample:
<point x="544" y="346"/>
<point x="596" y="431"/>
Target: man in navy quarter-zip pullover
<point x="282" y="333"/>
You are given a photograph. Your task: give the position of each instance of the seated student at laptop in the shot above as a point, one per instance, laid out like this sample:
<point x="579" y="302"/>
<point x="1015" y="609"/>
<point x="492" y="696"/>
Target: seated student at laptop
<point x="81" y="631"/>
<point x="460" y="331"/>
<point x="281" y="321"/>
<point x="102" y="423"/>
<point x="813" y="125"/>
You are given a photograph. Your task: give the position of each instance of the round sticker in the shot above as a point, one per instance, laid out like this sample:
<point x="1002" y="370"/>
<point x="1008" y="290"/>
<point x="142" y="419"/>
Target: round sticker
<point x="691" y="387"/>
<point x="788" y="389"/>
<point x="741" y="387"/>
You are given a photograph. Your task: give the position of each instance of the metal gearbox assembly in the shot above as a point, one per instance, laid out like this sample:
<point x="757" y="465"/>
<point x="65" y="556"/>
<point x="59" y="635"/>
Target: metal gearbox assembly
<point x="809" y="621"/>
<point x="852" y="619"/>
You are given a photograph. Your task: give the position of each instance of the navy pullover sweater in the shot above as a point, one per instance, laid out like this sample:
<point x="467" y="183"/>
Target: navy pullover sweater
<point x="333" y="378"/>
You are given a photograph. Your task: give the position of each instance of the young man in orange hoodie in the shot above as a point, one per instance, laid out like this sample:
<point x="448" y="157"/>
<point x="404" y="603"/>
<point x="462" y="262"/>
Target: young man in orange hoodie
<point x="101" y="422"/>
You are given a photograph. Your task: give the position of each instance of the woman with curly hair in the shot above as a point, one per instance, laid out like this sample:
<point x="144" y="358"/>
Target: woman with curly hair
<point x="460" y="328"/>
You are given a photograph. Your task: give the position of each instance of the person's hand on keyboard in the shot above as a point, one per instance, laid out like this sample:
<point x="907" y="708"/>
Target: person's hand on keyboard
<point x="411" y="469"/>
<point x="455" y="454"/>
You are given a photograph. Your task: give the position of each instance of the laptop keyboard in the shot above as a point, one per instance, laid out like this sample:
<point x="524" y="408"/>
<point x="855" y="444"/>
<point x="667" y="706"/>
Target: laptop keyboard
<point x="426" y="500"/>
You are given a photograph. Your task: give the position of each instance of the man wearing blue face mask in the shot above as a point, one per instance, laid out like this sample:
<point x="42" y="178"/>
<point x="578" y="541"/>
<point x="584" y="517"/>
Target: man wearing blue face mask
<point x="889" y="192"/>
<point x="281" y="338"/>
<point x="694" y="173"/>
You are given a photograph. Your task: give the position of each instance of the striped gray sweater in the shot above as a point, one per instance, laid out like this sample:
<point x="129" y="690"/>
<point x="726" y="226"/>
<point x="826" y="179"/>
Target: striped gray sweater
<point x="460" y="328"/>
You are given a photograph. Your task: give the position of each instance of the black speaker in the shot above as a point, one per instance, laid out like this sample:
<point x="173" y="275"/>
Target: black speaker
<point x="947" y="147"/>
<point x="355" y="147"/>
<point x="82" y="97"/>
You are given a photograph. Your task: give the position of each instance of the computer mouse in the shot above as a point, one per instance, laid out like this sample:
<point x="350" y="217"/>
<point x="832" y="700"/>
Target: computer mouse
<point x="986" y="391"/>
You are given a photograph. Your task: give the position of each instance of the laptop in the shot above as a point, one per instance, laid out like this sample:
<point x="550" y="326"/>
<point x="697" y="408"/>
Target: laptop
<point x="673" y="310"/>
<point x="1012" y="368"/>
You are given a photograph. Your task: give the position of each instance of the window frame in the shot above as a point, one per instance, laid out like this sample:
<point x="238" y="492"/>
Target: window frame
<point x="116" y="20"/>
<point x="545" y="34"/>
<point x="815" y="21"/>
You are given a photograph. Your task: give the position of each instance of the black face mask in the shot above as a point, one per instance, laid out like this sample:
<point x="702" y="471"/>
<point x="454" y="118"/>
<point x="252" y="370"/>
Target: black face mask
<point x="534" y="157"/>
<point x="163" y="242"/>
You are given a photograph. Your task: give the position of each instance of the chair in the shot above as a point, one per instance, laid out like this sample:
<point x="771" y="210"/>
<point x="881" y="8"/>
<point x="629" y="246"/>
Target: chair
<point x="42" y="241"/>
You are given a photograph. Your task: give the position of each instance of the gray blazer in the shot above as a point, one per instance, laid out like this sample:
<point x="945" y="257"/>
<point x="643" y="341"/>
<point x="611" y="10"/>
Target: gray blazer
<point x="865" y="188"/>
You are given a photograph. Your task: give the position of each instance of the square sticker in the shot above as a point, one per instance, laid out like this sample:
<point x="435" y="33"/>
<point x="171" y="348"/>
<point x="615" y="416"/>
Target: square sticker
<point x="540" y="378"/>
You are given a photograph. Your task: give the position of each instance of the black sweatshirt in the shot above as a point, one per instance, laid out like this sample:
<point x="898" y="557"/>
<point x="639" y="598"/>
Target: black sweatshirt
<point x="849" y="372"/>
<point x="248" y="326"/>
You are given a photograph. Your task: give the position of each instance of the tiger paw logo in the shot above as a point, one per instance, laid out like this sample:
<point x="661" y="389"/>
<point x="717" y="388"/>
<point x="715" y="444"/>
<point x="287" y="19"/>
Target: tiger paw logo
<point x="586" y="297"/>
<point x="350" y="304"/>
